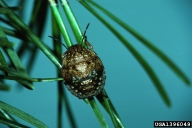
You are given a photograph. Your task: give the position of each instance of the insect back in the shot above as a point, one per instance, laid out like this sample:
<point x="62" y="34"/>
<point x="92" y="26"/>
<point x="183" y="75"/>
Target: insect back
<point x="83" y="71"/>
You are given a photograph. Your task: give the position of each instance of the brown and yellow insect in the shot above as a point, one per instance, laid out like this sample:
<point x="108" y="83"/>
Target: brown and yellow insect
<point x="83" y="71"/>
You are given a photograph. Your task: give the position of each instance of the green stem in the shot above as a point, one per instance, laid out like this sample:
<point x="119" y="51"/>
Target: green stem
<point x="72" y="21"/>
<point x="60" y="23"/>
<point x="98" y="113"/>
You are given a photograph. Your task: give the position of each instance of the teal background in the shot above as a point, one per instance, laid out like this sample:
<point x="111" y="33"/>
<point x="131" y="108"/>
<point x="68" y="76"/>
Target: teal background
<point x="166" y="23"/>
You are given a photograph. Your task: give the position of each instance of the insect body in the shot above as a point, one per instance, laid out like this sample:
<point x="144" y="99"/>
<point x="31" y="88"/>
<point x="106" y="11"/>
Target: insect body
<point x="83" y="71"/>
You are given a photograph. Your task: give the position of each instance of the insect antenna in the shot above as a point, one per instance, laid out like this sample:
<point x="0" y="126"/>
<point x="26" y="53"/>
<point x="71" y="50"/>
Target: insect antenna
<point x="57" y="41"/>
<point x="84" y="36"/>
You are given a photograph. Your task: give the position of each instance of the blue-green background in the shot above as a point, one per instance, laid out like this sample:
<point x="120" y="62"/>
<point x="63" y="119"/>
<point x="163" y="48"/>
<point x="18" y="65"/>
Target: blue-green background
<point x="166" y="23"/>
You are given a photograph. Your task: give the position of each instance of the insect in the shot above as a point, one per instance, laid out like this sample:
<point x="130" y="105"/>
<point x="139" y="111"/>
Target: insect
<point x="83" y="72"/>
